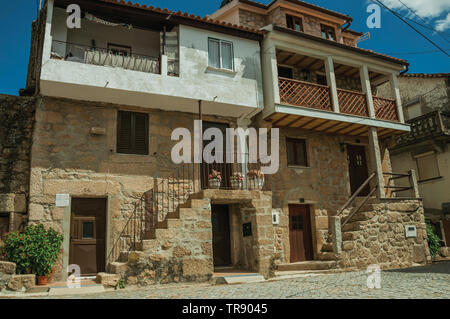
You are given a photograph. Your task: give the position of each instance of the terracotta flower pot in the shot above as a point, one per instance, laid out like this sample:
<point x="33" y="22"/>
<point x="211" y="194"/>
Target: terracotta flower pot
<point x="42" y="280"/>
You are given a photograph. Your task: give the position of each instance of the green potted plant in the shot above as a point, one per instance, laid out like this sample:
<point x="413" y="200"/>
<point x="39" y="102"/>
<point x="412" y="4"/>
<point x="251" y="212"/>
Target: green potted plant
<point x="35" y="251"/>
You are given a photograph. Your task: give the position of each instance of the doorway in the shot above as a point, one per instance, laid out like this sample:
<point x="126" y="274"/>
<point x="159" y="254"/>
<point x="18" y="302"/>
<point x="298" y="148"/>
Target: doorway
<point x="223" y="168"/>
<point x="300" y="234"/>
<point x="88" y="235"/>
<point x="446" y="226"/>
<point x="220" y="217"/>
<point x="358" y="172"/>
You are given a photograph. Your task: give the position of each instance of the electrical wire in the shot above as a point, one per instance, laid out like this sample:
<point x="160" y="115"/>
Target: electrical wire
<point x="412" y="27"/>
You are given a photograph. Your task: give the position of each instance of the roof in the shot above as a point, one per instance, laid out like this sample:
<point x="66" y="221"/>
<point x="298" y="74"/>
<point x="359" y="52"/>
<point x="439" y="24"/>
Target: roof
<point x="342" y="46"/>
<point x="302" y="3"/>
<point x="426" y="75"/>
<point x="186" y="17"/>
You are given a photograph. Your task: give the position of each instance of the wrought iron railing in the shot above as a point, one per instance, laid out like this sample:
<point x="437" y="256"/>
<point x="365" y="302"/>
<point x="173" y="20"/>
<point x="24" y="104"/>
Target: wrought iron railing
<point x="352" y="102"/>
<point x="431" y="125"/>
<point x="305" y="94"/>
<point x="385" y="109"/>
<point x="105" y="57"/>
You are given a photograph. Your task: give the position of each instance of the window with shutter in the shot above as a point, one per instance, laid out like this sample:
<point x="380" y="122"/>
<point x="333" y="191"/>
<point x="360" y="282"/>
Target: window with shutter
<point x="427" y="166"/>
<point x="132" y="133"/>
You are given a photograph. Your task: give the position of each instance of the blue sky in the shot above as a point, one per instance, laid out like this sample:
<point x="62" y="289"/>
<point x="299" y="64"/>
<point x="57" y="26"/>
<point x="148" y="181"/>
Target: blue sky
<point x="394" y="37"/>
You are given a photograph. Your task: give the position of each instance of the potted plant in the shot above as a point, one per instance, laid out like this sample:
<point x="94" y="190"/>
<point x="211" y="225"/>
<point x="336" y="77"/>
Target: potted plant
<point x="255" y="180"/>
<point x="35" y="251"/>
<point x="237" y="180"/>
<point x="215" y="179"/>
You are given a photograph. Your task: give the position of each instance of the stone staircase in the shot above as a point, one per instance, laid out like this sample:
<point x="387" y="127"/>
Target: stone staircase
<point x="168" y="246"/>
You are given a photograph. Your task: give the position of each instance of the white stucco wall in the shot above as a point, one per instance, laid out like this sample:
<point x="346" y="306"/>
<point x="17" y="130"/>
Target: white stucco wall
<point x="234" y="94"/>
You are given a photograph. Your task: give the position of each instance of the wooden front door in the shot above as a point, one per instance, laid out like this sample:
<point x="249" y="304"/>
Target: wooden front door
<point x="300" y="234"/>
<point x="223" y="168"/>
<point x="88" y="234"/>
<point x="358" y="171"/>
<point x="446" y="226"/>
<point x="220" y="217"/>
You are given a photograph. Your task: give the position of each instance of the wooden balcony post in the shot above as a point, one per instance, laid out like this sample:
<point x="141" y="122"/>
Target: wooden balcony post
<point x="375" y="161"/>
<point x="396" y="95"/>
<point x="331" y="80"/>
<point x="365" y="82"/>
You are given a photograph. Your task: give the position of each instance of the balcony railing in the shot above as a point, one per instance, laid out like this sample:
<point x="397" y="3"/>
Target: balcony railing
<point x="105" y="57"/>
<point x="385" y="109"/>
<point x="305" y="94"/>
<point x="352" y="102"/>
<point x="432" y="125"/>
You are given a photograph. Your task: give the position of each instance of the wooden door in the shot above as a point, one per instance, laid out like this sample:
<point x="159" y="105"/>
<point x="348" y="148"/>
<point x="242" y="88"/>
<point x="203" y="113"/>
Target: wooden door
<point x="221" y="235"/>
<point x="358" y="171"/>
<point x="88" y="234"/>
<point x="446" y="226"/>
<point x="225" y="169"/>
<point x="300" y="234"/>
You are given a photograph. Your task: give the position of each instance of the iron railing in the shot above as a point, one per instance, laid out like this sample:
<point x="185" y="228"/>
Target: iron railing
<point x="105" y="57"/>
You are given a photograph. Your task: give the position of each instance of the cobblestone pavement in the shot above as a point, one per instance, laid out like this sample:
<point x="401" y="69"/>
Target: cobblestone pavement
<point x="424" y="282"/>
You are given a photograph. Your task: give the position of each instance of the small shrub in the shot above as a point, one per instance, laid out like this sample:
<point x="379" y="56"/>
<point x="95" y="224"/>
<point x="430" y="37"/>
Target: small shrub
<point x="120" y="284"/>
<point x="434" y="242"/>
<point x="35" y="250"/>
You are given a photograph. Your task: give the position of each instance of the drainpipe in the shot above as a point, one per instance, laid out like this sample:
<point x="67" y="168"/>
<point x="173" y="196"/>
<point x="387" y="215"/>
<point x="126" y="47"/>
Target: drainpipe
<point x="405" y="71"/>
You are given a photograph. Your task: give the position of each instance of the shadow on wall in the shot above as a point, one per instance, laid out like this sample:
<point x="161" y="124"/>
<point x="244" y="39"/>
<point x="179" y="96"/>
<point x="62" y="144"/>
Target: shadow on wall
<point x="437" y="268"/>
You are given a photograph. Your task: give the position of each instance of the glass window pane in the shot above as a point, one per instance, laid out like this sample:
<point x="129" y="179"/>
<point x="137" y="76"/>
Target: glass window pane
<point x="88" y="230"/>
<point x="214" y="54"/>
<point x="227" y="56"/>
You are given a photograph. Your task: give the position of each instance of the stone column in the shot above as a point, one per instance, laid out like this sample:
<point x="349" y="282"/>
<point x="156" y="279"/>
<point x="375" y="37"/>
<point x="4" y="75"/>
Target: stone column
<point x="365" y="82"/>
<point x="331" y="80"/>
<point x="336" y="233"/>
<point x="413" y="182"/>
<point x="396" y="94"/>
<point x="375" y="160"/>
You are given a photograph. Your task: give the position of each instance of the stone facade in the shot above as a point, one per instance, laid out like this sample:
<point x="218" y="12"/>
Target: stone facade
<point x="17" y="114"/>
<point x="376" y="235"/>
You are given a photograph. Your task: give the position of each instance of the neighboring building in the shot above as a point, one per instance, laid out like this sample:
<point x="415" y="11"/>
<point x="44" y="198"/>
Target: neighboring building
<point x="426" y="102"/>
<point x="111" y="94"/>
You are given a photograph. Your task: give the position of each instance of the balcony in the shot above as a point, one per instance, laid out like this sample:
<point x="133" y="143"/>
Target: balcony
<point x="432" y="126"/>
<point x="105" y="57"/>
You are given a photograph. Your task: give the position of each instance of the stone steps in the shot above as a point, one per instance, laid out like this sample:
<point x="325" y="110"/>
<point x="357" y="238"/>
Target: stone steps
<point x="307" y="265"/>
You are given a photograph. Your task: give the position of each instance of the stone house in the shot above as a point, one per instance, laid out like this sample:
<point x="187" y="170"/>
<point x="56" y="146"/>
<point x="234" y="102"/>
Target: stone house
<point x="111" y="93"/>
<point x="426" y="104"/>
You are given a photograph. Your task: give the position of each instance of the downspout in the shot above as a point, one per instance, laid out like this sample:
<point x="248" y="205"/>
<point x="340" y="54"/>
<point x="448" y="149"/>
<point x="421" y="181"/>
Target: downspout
<point x="406" y="70"/>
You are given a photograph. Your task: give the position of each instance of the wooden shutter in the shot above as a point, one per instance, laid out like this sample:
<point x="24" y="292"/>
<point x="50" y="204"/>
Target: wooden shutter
<point x="132" y="133"/>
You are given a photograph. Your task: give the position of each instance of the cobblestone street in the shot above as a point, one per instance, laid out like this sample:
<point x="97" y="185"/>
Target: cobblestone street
<point x="424" y="282"/>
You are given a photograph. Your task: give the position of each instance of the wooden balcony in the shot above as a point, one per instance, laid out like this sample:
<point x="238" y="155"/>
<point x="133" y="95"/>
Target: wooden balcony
<point x="309" y="106"/>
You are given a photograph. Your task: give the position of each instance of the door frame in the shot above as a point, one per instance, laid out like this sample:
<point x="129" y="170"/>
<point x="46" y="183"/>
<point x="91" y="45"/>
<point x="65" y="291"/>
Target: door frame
<point x="68" y="230"/>
<point x="309" y="251"/>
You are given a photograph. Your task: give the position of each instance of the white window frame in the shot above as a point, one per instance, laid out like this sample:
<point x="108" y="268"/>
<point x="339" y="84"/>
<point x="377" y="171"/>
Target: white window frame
<point x="220" y="53"/>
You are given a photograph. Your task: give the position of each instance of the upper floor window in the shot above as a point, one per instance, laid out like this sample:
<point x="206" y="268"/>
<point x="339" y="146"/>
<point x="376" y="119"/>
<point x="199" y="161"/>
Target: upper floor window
<point x="328" y="32"/>
<point x="132" y="133"/>
<point x="427" y="166"/>
<point x="296" y="152"/>
<point x="294" y="23"/>
<point x="220" y="54"/>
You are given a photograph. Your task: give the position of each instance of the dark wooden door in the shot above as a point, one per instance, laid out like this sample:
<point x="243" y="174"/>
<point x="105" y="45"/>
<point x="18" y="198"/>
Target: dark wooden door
<point x="357" y="168"/>
<point x="221" y="235"/>
<point x="300" y="234"/>
<point x="223" y="168"/>
<point x="446" y="226"/>
<point x="88" y="234"/>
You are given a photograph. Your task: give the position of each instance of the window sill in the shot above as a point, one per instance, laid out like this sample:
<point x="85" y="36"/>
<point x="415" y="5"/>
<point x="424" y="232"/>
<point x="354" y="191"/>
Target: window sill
<point x="298" y="167"/>
<point x="217" y="70"/>
<point x="431" y="179"/>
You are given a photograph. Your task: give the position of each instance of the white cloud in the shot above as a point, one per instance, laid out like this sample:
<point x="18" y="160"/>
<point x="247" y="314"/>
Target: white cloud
<point x="444" y="24"/>
<point x="424" y="8"/>
<point x="427" y="9"/>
